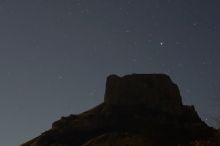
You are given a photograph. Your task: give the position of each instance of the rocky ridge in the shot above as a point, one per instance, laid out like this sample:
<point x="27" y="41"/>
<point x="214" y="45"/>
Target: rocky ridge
<point x="138" y="110"/>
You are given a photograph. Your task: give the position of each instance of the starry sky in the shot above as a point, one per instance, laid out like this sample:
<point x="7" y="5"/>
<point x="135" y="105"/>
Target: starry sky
<point x="55" y="56"/>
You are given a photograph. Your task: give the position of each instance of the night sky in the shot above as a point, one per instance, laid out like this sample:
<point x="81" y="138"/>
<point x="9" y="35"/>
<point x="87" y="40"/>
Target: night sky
<point x="55" y="56"/>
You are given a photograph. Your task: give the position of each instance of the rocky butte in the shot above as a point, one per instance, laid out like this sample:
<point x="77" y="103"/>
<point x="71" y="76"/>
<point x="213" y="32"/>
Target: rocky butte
<point x="138" y="110"/>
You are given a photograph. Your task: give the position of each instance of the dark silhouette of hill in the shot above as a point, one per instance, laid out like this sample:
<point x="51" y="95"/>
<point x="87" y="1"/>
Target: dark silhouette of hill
<point x="138" y="110"/>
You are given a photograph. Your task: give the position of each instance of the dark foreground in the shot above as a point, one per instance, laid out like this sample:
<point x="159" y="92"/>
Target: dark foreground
<point x="139" y="110"/>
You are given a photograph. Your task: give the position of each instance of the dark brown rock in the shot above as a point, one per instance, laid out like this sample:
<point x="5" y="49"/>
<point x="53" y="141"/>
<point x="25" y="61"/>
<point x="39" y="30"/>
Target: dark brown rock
<point x="120" y="139"/>
<point x="147" y="107"/>
<point x="151" y="90"/>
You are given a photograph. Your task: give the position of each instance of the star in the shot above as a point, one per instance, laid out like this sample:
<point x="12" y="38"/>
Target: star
<point x="134" y="60"/>
<point x="179" y="64"/>
<point x="195" y="24"/>
<point x="162" y="43"/>
<point x="127" y="31"/>
<point x="70" y="13"/>
<point x="60" y="77"/>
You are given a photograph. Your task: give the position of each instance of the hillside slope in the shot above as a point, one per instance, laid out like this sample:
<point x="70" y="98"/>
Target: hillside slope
<point x="139" y="110"/>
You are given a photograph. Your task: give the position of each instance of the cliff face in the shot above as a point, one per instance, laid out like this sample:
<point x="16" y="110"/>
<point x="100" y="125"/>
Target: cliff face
<point x="150" y="90"/>
<point x="139" y="109"/>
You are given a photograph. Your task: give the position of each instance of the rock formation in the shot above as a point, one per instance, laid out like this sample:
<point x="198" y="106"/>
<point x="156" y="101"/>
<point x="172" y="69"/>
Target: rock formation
<point x="150" y="90"/>
<point x="138" y="110"/>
